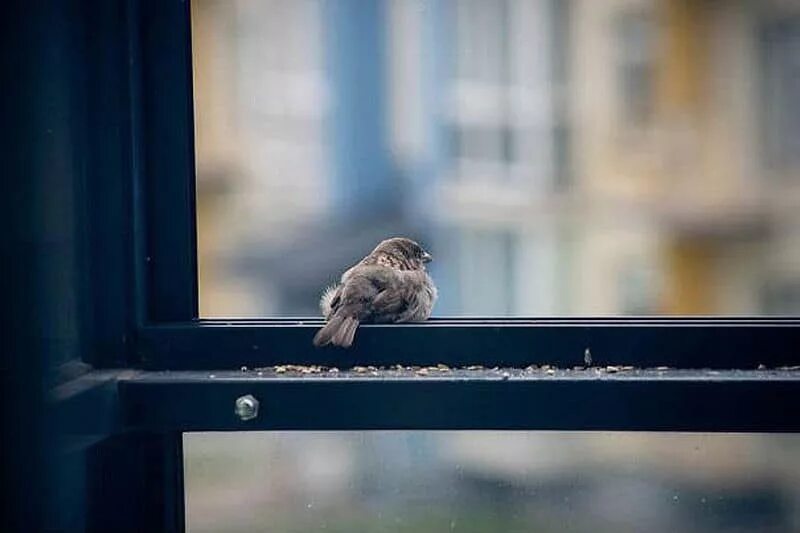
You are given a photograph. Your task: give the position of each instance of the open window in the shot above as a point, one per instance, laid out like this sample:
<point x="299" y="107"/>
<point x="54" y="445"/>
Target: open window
<point x="272" y="143"/>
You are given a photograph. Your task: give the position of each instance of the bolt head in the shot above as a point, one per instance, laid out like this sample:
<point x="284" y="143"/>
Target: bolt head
<point x="246" y="407"/>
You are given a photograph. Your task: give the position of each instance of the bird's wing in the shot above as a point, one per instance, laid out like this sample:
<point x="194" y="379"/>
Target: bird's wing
<point x="388" y="303"/>
<point x="419" y="293"/>
<point x="374" y="291"/>
<point x="408" y="298"/>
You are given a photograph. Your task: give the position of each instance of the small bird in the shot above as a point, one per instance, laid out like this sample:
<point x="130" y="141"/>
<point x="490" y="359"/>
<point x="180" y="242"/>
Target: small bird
<point x="388" y="285"/>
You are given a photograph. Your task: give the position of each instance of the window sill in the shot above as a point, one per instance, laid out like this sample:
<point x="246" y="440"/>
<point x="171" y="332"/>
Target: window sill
<point x="592" y="399"/>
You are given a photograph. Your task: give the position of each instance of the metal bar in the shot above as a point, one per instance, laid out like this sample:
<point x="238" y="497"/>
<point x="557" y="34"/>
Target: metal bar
<point x="138" y="205"/>
<point x="647" y="400"/>
<point x="172" y="455"/>
<point x="642" y="342"/>
<point x="107" y="230"/>
<point x="135" y="484"/>
<point x="168" y="150"/>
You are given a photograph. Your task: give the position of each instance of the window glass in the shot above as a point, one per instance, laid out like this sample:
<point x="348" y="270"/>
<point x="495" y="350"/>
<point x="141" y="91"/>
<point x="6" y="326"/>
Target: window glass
<point x="557" y="157"/>
<point x="427" y="481"/>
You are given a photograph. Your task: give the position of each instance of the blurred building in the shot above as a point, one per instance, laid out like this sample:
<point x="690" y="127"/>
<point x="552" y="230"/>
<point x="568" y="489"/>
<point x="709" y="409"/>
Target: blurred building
<point x="644" y="160"/>
<point x="484" y="128"/>
<point x="682" y="125"/>
<point x="561" y="157"/>
<point x="292" y="149"/>
<point x="472" y="481"/>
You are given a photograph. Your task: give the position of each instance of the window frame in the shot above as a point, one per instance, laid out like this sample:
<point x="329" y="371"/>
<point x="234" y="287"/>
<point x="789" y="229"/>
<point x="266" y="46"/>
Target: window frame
<point x="159" y="370"/>
<point x="169" y="334"/>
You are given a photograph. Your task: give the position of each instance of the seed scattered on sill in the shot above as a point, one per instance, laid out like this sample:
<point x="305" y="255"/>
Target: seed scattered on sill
<point x="443" y="369"/>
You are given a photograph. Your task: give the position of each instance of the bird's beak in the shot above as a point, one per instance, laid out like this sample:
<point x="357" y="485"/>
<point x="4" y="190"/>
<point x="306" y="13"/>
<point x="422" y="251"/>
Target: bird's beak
<point x="427" y="258"/>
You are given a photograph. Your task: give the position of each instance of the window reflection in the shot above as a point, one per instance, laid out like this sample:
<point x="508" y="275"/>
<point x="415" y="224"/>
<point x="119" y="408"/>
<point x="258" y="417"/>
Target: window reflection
<point x="422" y="481"/>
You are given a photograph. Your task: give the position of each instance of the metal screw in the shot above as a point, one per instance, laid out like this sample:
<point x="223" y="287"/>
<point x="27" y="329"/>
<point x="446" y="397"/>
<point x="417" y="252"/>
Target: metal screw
<point x="246" y="407"/>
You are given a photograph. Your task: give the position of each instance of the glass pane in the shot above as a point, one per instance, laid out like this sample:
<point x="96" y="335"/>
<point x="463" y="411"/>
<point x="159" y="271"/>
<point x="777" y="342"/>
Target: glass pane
<point x="426" y="481"/>
<point x="557" y="157"/>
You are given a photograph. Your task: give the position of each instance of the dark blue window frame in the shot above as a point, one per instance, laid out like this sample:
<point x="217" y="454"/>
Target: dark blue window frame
<point x="158" y="370"/>
<point x="169" y="335"/>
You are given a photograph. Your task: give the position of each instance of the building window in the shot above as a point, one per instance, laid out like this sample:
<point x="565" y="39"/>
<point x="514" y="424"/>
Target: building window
<point x="780" y="49"/>
<point x="487" y="283"/>
<point x="781" y="297"/>
<point x="635" y="58"/>
<point x="482" y="40"/>
<point x="479" y="80"/>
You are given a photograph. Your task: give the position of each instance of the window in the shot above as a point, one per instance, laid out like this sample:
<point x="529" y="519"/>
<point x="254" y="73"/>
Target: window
<point x="440" y="119"/>
<point x="489" y="481"/>
<point x="165" y="374"/>
<point x="780" y="49"/>
<point x="635" y="52"/>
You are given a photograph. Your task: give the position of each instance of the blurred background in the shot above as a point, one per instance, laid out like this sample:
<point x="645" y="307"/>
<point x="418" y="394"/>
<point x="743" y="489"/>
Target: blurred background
<point x="491" y="482"/>
<point x="558" y="157"/>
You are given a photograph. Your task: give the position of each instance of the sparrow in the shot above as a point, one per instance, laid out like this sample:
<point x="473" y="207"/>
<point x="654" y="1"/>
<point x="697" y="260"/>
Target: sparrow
<point x="389" y="285"/>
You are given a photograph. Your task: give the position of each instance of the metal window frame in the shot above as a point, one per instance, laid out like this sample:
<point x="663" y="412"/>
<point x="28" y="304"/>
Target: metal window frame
<point x="160" y="371"/>
<point x="169" y="335"/>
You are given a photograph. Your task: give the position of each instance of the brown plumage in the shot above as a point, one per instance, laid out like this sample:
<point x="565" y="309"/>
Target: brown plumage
<point x="388" y="285"/>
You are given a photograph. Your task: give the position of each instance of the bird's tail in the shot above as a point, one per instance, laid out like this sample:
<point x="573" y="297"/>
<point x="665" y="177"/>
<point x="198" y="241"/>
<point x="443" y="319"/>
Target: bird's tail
<point x="339" y="331"/>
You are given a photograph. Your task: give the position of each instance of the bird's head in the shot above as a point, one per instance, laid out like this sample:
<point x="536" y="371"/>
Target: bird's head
<point x="408" y="253"/>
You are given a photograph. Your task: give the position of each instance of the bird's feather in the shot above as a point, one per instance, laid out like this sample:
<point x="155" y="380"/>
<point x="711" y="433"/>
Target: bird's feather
<point x="330" y="300"/>
<point x="389" y="285"/>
